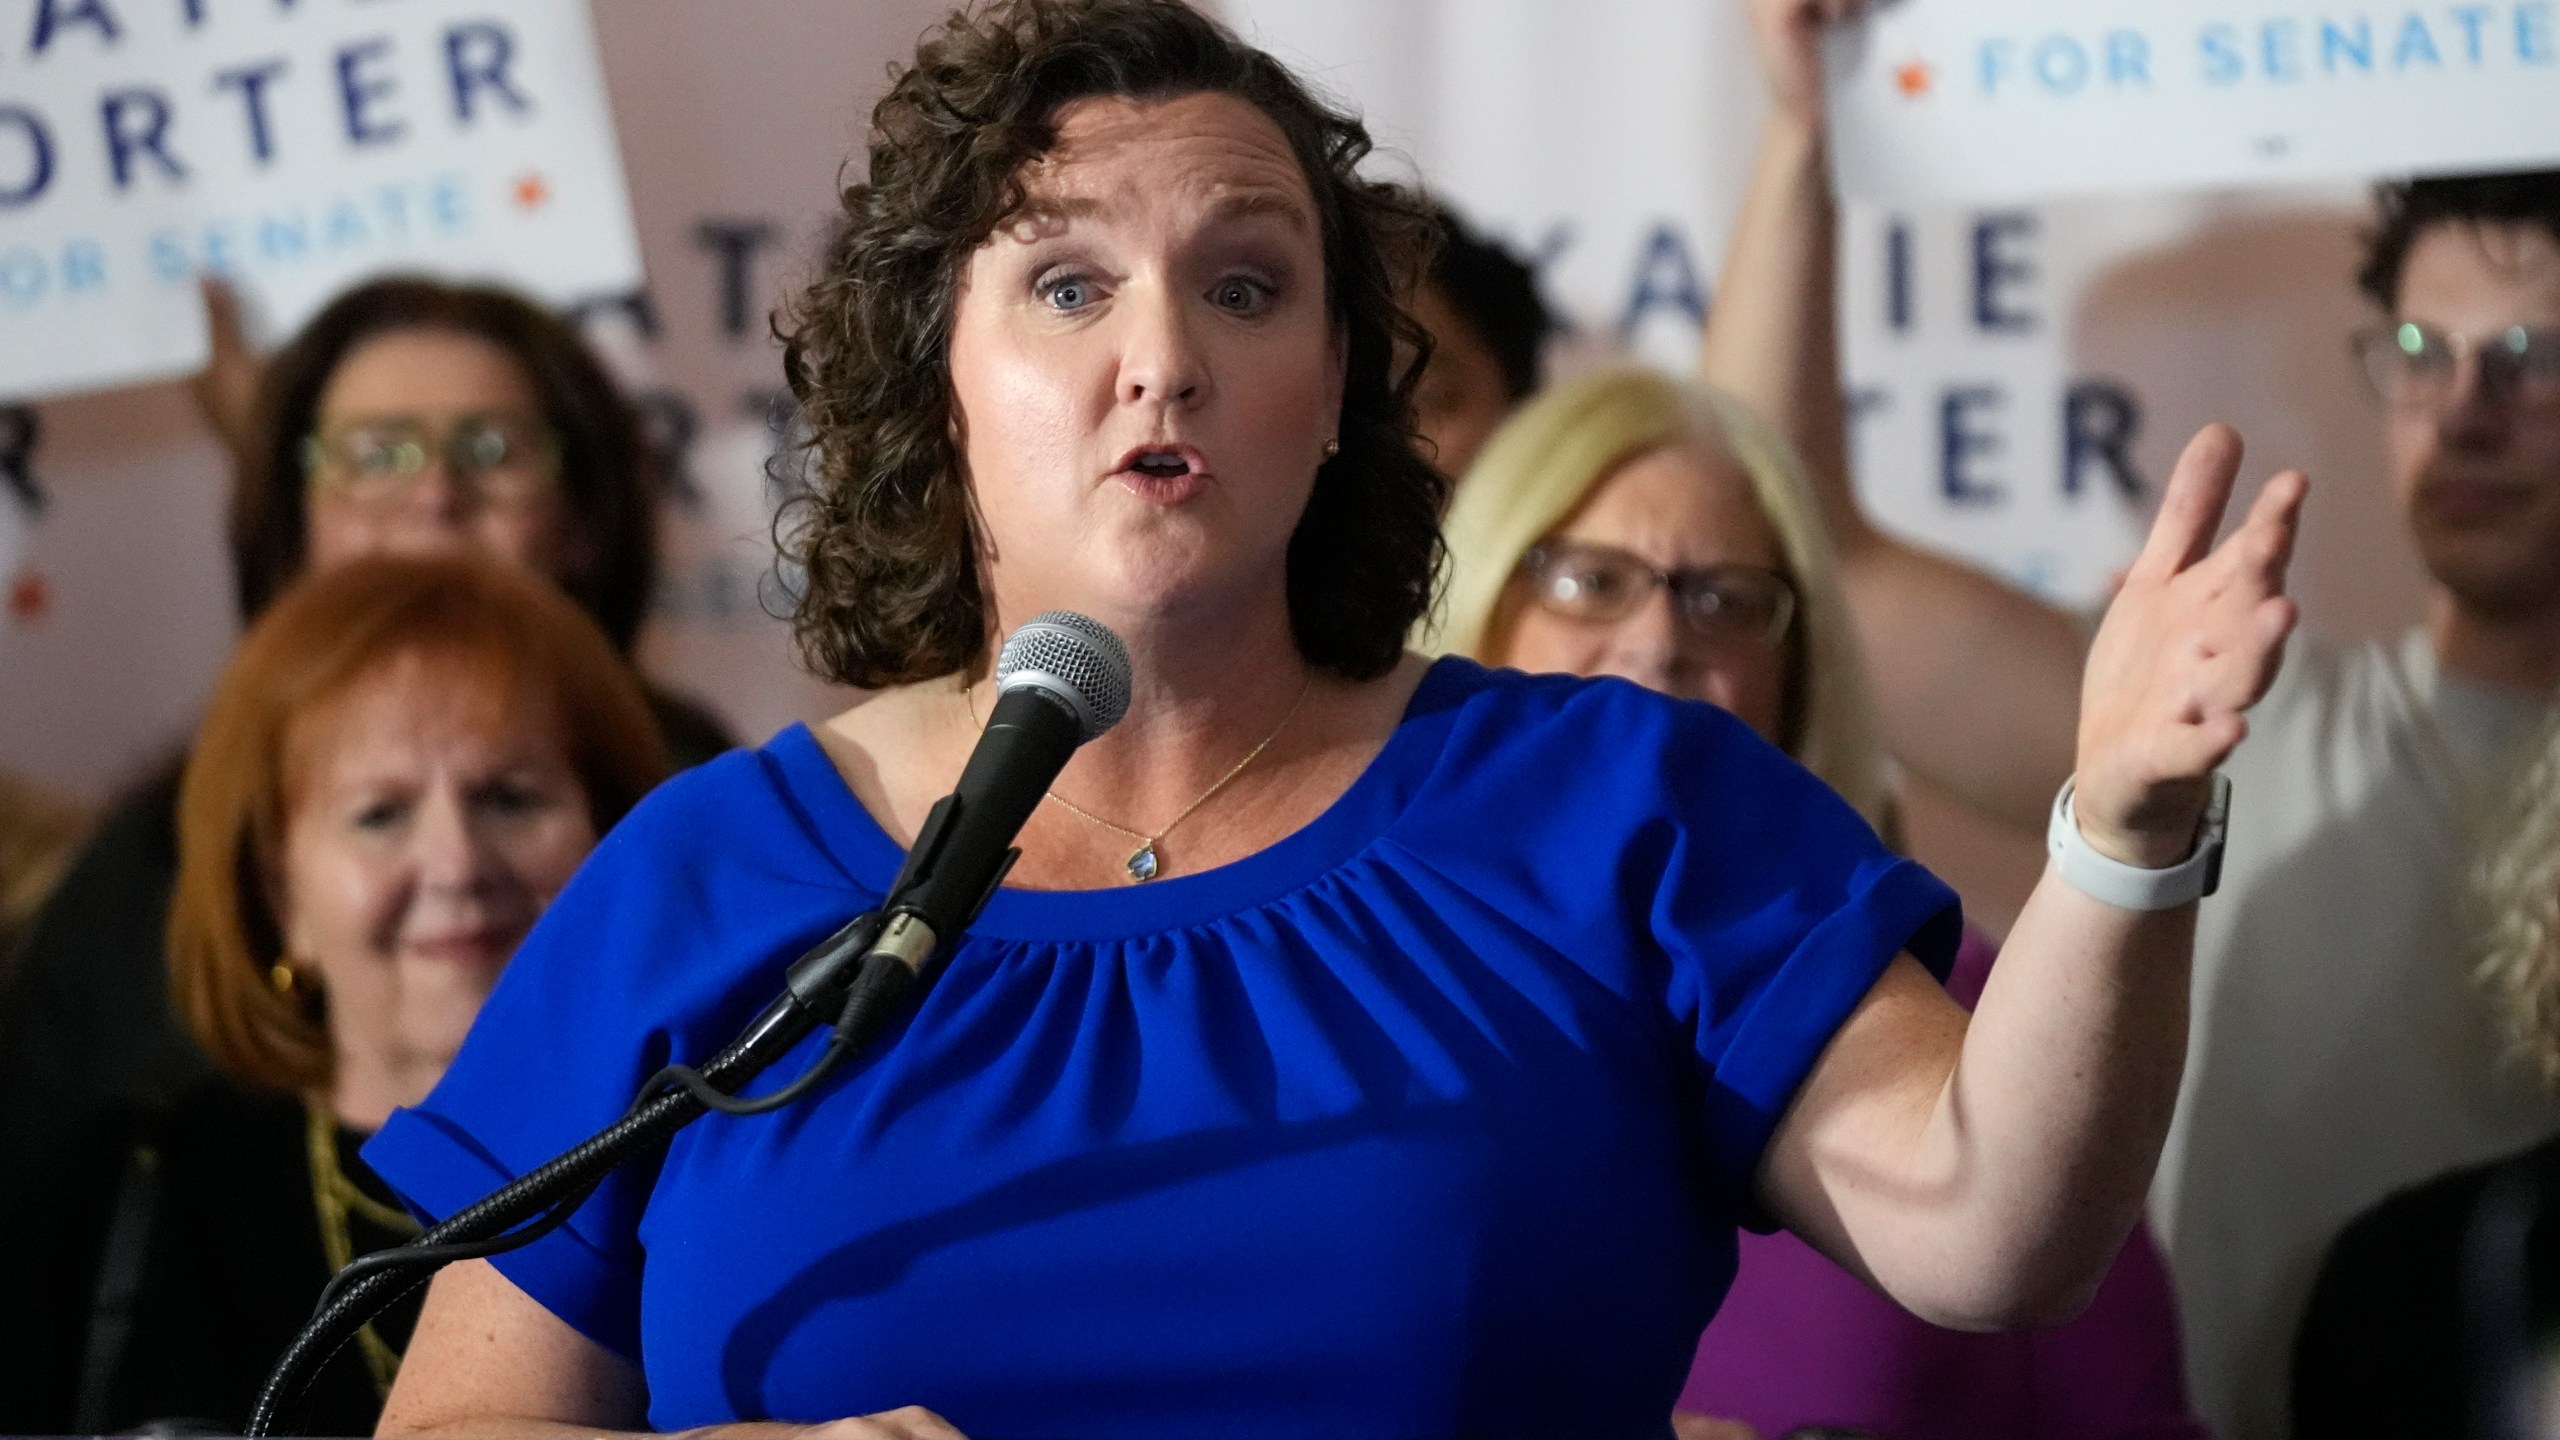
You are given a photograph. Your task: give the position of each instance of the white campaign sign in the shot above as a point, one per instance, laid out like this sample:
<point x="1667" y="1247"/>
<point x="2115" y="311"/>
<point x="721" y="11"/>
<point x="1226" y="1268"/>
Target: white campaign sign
<point x="294" y="146"/>
<point x="1988" y="100"/>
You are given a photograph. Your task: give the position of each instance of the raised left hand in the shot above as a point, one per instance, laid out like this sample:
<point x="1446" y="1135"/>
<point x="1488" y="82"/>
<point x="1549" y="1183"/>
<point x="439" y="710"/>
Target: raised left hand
<point x="2191" y="641"/>
<point x="226" y="389"/>
<point x="1788" y="35"/>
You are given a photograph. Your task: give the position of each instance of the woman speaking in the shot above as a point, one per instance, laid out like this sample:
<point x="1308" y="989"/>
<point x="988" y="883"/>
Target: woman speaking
<point x="1363" y="1046"/>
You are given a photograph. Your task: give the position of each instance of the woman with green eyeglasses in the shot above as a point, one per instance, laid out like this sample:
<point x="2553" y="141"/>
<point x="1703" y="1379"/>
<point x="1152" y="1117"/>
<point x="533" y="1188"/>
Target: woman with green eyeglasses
<point x="417" y="417"/>
<point x="409" y="417"/>
<point x="487" y="465"/>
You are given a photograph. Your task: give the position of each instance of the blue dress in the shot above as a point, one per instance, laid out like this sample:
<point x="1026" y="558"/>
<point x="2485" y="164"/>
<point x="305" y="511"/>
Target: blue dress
<point x="1433" y="1119"/>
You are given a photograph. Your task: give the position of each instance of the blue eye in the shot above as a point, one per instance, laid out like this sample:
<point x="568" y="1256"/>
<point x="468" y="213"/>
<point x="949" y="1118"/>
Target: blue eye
<point x="1066" y="292"/>
<point x="1240" y="296"/>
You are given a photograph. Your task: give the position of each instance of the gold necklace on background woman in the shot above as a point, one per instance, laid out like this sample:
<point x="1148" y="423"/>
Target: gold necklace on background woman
<point x="1145" y="863"/>
<point x="333" y="1195"/>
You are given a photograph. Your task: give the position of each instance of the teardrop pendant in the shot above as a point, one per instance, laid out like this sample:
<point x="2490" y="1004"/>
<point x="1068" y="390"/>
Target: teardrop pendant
<point x="1142" y="864"/>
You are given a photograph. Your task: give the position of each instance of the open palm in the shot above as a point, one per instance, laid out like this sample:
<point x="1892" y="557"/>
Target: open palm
<point x="2189" y="644"/>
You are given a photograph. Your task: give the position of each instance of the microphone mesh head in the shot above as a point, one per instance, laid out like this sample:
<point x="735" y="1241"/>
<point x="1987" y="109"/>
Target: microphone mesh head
<point x="1073" y="658"/>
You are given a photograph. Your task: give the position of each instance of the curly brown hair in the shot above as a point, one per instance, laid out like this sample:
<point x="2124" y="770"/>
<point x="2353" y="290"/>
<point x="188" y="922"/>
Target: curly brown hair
<point x="891" y="588"/>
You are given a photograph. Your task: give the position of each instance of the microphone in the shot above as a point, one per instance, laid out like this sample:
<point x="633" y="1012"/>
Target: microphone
<point x="1061" y="680"/>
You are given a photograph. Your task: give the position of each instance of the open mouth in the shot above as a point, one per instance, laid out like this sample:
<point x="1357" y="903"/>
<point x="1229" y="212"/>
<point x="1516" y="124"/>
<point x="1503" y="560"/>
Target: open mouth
<point x="1163" y="476"/>
<point x="1162" y="462"/>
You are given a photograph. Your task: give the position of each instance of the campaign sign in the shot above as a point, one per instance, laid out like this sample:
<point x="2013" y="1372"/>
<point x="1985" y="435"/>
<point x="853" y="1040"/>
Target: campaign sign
<point x="293" y="146"/>
<point x="1990" y="100"/>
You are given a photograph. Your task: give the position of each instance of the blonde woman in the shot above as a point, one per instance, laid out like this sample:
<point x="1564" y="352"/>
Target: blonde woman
<point x="2517" y="899"/>
<point x="2438" y="1310"/>
<point x="1631" y="524"/>
<point x="1629" y="463"/>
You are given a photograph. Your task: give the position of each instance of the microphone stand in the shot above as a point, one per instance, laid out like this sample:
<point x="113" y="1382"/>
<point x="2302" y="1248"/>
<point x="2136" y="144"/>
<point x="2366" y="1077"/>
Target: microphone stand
<point x="853" y="979"/>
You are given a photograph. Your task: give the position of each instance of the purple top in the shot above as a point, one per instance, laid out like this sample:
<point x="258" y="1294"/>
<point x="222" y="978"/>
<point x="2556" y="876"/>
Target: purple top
<point x="1799" y="1341"/>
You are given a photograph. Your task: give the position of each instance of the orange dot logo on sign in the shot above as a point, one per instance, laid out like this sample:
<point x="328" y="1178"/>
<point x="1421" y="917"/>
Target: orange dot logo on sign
<point x="1914" y="80"/>
<point x="30" y="599"/>
<point x="531" y="191"/>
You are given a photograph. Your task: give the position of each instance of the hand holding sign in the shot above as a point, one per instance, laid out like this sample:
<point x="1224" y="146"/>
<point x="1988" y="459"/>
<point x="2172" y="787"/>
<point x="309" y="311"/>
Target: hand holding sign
<point x="1789" y="35"/>
<point x="142" y="149"/>
<point x="226" y="389"/>
<point x="2024" y="99"/>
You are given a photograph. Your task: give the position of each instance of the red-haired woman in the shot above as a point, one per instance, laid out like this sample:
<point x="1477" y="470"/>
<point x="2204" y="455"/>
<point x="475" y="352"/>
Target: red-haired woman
<point x="409" y="417"/>
<point x="402" y="764"/>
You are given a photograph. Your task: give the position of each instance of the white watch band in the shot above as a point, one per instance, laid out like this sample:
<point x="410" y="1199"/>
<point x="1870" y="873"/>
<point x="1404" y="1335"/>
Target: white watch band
<point x="2131" y="887"/>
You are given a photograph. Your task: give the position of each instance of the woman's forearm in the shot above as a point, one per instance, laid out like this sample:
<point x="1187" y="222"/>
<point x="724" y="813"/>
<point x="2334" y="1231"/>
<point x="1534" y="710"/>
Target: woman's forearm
<point x="487" y="1360"/>
<point x="2040" y="1139"/>
<point x="513" y="1428"/>
<point x="912" y="1423"/>
<point x="1984" y="1172"/>
<point x="2051" y="1123"/>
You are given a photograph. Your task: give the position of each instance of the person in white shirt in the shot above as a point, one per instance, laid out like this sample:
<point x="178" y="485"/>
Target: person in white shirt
<point x="2340" y="1049"/>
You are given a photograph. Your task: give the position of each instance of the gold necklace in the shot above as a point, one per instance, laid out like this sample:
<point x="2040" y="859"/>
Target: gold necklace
<point x="1144" y="864"/>
<point x="333" y="1195"/>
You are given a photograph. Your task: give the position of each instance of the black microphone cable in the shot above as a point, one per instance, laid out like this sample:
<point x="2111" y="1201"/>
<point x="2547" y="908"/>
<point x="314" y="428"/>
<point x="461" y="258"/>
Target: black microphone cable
<point x="1062" y="680"/>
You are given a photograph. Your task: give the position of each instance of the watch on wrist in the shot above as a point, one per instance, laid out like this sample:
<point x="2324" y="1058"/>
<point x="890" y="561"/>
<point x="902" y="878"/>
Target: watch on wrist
<point x="2132" y="887"/>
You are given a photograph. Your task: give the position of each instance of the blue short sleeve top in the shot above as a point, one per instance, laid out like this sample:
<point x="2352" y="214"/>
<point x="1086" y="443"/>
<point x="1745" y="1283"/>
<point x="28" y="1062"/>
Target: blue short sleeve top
<point x="1433" y="1119"/>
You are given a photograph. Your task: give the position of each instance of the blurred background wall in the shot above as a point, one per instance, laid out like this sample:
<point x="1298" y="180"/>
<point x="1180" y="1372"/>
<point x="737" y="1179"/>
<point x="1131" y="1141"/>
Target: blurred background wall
<point x="1607" y="141"/>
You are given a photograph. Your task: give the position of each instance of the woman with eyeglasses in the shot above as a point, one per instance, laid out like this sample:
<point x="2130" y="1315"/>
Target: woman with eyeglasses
<point x="409" y="417"/>
<point x="2339" y="1046"/>
<point x="1631" y="524"/>
<point x="415" y="417"/>
<point x="1627" y="524"/>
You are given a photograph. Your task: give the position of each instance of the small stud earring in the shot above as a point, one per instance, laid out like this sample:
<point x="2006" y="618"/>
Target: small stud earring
<point x="281" y="978"/>
<point x="1332" y="448"/>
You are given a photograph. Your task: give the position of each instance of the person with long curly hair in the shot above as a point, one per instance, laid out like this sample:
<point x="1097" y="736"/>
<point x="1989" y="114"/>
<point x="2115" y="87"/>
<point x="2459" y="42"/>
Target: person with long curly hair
<point x="1363" y="1045"/>
<point x="2437" y="1310"/>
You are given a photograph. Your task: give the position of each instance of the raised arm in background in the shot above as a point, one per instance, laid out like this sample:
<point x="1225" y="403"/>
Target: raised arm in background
<point x="226" y="389"/>
<point x="1977" y="681"/>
